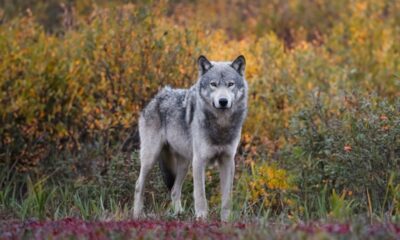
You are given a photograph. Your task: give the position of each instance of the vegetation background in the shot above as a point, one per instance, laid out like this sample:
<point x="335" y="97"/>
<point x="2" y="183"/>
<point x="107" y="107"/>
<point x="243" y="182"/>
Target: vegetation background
<point x="322" y="137"/>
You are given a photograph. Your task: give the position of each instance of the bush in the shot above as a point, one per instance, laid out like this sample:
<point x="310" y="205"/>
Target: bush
<point x="350" y="145"/>
<point x="266" y="188"/>
<point x="87" y="87"/>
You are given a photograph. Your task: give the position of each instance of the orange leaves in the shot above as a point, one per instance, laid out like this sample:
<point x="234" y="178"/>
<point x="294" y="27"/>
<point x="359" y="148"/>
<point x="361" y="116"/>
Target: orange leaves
<point x="347" y="148"/>
<point x="383" y="117"/>
<point x="385" y="125"/>
<point x="96" y="78"/>
<point x="361" y="6"/>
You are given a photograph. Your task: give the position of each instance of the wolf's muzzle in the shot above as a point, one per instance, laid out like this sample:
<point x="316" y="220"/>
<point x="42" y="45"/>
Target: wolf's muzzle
<point x="223" y="102"/>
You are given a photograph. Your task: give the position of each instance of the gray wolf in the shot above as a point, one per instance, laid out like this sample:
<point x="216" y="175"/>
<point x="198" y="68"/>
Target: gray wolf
<point x="197" y="126"/>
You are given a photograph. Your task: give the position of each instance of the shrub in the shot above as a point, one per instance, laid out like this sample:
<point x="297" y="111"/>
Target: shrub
<point x="348" y="145"/>
<point x="86" y="87"/>
<point x="269" y="187"/>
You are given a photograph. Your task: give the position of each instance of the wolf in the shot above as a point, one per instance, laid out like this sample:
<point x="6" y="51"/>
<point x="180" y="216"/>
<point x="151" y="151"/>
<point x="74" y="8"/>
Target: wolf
<point x="196" y="126"/>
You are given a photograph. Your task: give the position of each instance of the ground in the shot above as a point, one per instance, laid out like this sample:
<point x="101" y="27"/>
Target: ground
<point x="73" y="228"/>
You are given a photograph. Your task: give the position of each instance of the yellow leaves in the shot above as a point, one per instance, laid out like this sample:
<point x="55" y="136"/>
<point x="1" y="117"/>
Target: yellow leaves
<point x="302" y="46"/>
<point x="360" y="35"/>
<point x="273" y="178"/>
<point x="361" y="6"/>
<point x="7" y="139"/>
<point x="126" y="122"/>
<point x="101" y="73"/>
<point x="222" y="48"/>
<point x="267" y="184"/>
<point x="61" y="130"/>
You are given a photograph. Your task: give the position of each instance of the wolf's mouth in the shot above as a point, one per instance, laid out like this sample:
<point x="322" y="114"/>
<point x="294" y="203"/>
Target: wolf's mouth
<point x="220" y="108"/>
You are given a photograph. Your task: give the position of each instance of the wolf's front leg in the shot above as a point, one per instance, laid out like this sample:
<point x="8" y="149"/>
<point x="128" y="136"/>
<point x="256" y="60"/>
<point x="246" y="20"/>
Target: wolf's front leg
<point x="199" y="193"/>
<point x="226" y="174"/>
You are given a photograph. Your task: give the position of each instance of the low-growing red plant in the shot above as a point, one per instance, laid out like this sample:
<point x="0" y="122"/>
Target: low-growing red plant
<point x="77" y="228"/>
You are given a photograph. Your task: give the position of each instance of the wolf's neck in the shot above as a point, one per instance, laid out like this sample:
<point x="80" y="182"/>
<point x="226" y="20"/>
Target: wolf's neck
<point x="222" y="119"/>
<point x="221" y="128"/>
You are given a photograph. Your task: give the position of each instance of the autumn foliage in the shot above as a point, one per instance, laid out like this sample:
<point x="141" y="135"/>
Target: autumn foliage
<point x="324" y="82"/>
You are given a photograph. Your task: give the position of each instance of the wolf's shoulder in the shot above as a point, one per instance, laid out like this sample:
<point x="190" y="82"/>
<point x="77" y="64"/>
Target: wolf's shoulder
<point x="165" y="98"/>
<point x="169" y="91"/>
<point x="172" y="95"/>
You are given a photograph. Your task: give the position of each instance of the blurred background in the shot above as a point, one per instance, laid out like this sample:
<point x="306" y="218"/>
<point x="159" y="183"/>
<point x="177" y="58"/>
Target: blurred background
<point x="322" y="135"/>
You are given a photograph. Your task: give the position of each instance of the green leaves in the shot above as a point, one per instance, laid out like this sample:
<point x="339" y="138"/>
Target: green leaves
<point x="350" y="150"/>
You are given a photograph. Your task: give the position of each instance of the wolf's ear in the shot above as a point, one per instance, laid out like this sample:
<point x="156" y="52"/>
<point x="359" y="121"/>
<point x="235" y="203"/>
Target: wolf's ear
<point x="239" y="64"/>
<point x="204" y="64"/>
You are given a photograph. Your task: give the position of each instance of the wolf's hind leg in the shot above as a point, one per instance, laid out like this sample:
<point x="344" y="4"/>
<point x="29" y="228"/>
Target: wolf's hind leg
<point x="182" y="166"/>
<point x="150" y="148"/>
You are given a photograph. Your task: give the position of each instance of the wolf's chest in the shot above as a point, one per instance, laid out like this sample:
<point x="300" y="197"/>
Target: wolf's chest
<point x="221" y="131"/>
<point x="221" y="135"/>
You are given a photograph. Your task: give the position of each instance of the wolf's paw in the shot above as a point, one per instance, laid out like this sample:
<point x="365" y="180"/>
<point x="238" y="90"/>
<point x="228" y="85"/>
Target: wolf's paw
<point x="178" y="210"/>
<point x="138" y="215"/>
<point x="225" y="215"/>
<point x="201" y="215"/>
<point x="177" y="207"/>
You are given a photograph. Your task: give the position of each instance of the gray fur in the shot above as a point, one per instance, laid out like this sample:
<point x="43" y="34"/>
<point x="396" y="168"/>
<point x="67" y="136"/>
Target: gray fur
<point x="197" y="125"/>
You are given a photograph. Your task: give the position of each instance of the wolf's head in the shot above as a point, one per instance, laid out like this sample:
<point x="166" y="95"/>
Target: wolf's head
<point x="222" y="84"/>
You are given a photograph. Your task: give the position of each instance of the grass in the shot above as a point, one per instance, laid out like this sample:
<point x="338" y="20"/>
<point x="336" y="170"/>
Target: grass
<point x="100" y="205"/>
<point x="109" y="197"/>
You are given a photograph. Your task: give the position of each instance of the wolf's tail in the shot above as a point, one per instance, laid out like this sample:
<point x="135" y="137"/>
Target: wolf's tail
<point x="167" y="167"/>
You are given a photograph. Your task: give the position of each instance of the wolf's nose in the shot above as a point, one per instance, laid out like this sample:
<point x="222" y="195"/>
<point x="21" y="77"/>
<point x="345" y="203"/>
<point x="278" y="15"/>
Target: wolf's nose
<point x="223" y="102"/>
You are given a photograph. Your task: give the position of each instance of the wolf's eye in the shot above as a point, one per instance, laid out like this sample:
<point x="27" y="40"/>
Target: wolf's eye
<point x="213" y="84"/>
<point x="231" y="84"/>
